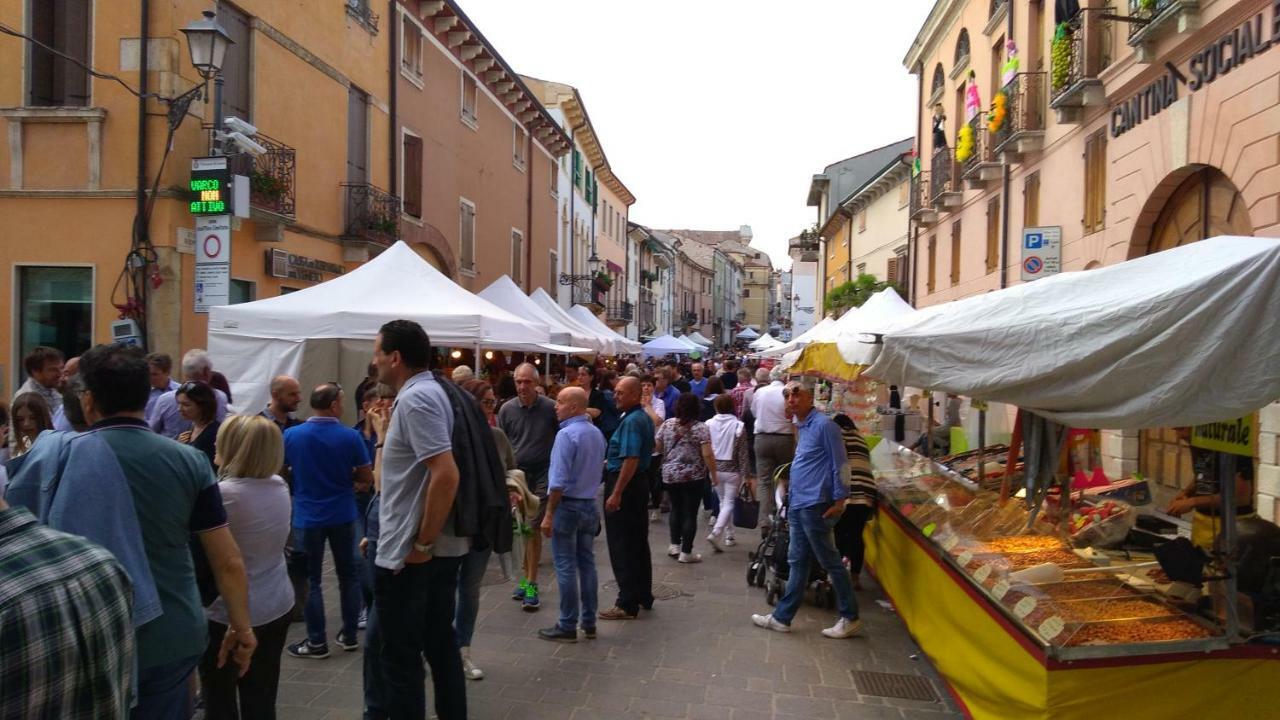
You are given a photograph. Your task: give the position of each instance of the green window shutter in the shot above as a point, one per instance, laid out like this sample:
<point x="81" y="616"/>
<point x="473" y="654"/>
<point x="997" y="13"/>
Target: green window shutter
<point x="577" y="168"/>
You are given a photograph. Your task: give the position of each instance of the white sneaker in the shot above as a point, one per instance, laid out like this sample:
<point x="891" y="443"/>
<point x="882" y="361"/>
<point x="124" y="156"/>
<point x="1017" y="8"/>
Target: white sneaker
<point x="673" y="550"/>
<point x="469" y="668"/>
<point x="729" y="541"/>
<point x="843" y="628"/>
<point x="714" y="542"/>
<point x="654" y="516"/>
<point x="690" y="557"/>
<point x="768" y="623"/>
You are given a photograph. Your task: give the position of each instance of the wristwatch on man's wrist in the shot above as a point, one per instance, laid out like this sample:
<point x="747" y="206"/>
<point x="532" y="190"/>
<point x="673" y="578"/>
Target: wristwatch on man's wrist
<point x="424" y="549"/>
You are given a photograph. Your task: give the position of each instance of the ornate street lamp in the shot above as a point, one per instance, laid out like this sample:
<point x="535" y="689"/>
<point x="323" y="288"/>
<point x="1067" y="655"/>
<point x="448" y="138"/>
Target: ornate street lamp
<point x="583" y="282"/>
<point x="207" y="41"/>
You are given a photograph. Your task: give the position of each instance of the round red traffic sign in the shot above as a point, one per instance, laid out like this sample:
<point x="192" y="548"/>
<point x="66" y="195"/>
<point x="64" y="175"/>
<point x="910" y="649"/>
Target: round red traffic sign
<point x="1033" y="264"/>
<point x="212" y="246"/>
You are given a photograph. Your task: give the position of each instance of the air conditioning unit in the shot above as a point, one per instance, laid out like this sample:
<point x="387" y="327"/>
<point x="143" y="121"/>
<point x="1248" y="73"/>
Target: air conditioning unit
<point x="278" y="262"/>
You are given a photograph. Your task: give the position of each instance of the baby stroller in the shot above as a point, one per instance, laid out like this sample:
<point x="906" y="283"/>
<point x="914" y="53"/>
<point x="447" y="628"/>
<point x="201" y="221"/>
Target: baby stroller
<point x="769" y="568"/>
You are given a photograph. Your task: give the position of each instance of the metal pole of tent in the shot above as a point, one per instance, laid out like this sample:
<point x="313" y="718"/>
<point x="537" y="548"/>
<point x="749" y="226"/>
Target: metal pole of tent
<point x="982" y="442"/>
<point x="928" y="425"/>
<point x="477" y="368"/>
<point x="1226" y="541"/>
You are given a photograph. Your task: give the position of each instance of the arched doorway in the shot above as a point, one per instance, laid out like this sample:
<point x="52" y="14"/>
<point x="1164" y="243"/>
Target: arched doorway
<point x="1204" y="204"/>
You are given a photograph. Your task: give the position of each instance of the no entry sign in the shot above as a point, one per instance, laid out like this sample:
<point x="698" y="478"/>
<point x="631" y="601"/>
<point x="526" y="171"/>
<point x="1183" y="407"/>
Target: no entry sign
<point x="1041" y="252"/>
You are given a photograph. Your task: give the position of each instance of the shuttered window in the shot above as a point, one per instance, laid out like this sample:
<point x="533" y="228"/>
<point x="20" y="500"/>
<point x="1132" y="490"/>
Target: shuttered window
<point x="54" y="81"/>
<point x="955" y="253"/>
<point x="993" y="234"/>
<point x="933" y="263"/>
<point x="517" y="257"/>
<point x="235" y="66"/>
<point x="891" y="270"/>
<point x="467" y="234"/>
<point x="413" y="175"/>
<point x="468" y="99"/>
<point x="1095" y="182"/>
<point x="1031" y="200"/>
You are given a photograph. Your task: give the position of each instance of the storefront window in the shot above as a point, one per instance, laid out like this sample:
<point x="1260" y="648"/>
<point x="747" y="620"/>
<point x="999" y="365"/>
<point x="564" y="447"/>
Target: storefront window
<point x="242" y="291"/>
<point x="55" y="308"/>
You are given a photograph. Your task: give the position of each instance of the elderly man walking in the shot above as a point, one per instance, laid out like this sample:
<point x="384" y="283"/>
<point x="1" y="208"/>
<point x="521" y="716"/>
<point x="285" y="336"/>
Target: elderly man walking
<point x="572" y="521"/>
<point x="626" y="522"/>
<point x="818" y="494"/>
<point x="774" y="440"/>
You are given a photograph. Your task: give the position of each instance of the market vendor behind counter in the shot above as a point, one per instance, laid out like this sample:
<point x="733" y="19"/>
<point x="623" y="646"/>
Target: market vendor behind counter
<point x="1202" y="497"/>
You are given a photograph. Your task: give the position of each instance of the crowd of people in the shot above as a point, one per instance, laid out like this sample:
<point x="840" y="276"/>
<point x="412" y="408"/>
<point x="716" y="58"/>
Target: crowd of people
<point x="176" y="542"/>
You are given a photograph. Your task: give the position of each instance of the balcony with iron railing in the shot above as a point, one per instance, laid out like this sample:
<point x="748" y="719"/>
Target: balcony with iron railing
<point x="921" y="203"/>
<point x="1082" y="49"/>
<point x="362" y="12"/>
<point x="590" y="296"/>
<point x="373" y="214"/>
<point x="981" y="166"/>
<point x="272" y="181"/>
<point x="1021" y="130"/>
<point x="948" y="192"/>
<point x="618" y="310"/>
<point x="1151" y="19"/>
<point x="648" y="317"/>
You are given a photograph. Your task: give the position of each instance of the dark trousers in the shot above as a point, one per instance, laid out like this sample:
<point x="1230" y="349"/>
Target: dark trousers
<point x="252" y="697"/>
<point x="628" y="534"/>
<point x="375" y="682"/>
<point x="654" y="477"/>
<point x="344" y="544"/>
<point x="164" y="691"/>
<point x="849" y="535"/>
<point x="685" y="498"/>
<point x="415" y="609"/>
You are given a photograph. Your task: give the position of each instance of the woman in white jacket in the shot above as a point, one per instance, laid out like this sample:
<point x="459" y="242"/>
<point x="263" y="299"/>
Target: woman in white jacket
<point x="729" y="445"/>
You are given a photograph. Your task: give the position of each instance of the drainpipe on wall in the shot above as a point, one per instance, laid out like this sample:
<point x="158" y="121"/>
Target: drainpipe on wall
<point x="141" y="229"/>
<point x="913" y="229"/>
<point x="1006" y="183"/>
<point x="527" y="246"/>
<point x="848" y="271"/>
<point x="394" y="139"/>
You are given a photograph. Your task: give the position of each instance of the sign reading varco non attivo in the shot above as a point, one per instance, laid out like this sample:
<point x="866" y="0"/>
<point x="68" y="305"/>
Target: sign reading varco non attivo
<point x="1216" y="59"/>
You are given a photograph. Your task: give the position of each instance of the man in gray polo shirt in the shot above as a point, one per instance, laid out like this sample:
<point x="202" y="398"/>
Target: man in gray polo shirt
<point x="415" y="585"/>
<point x="529" y="420"/>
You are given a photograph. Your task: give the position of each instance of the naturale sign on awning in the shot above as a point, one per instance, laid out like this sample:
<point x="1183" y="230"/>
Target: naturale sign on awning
<point x="1216" y="59"/>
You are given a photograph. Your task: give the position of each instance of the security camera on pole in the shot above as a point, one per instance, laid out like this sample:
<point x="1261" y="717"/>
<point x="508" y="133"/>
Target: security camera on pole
<point x="212" y="200"/>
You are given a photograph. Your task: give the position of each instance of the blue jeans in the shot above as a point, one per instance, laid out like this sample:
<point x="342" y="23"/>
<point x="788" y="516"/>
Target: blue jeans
<point x="375" y="682"/>
<point x="812" y="538"/>
<point x="342" y="543"/>
<point x="574" y="527"/>
<point x="470" y="574"/>
<point x="164" y="691"/>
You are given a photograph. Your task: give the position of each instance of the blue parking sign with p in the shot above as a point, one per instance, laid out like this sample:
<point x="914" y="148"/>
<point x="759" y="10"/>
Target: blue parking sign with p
<point x="1033" y="241"/>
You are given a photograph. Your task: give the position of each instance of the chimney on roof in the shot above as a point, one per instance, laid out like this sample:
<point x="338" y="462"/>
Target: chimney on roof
<point x="744" y="232"/>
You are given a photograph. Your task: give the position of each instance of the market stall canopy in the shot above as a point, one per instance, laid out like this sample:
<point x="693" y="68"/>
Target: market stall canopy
<point x="846" y="351"/>
<point x="1181" y="337"/>
<point x="588" y="318"/>
<point x="748" y="334"/>
<point x="813" y="334"/>
<point x="689" y="343"/>
<point x="504" y="293"/>
<point x="600" y="342"/>
<point x="253" y="342"/>
<point x="700" y="339"/>
<point x="765" y="342"/>
<point x="665" y="345"/>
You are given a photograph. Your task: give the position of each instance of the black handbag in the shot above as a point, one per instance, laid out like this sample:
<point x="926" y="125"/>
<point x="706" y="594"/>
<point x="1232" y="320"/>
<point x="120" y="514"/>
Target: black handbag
<point x="746" y="512"/>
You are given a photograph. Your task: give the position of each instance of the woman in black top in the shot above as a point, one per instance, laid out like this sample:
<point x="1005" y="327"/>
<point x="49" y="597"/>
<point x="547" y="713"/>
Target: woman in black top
<point x="197" y="403"/>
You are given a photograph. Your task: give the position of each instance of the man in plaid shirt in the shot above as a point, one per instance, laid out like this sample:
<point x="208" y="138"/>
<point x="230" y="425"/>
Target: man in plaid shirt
<point x="66" y="628"/>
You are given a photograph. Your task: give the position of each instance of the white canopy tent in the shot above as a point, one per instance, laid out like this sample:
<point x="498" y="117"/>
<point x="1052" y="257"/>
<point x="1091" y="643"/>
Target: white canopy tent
<point x="814" y="334"/>
<point x="665" y="345"/>
<point x="327" y="331"/>
<point x="764" y="342"/>
<point x="700" y="339"/>
<point x="689" y="343"/>
<point x="504" y="293"/>
<point x="853" y="330"/>
<point x="621" y="342"/>
<point x="1181" y="337"/>
<point x="600" y="342"/>
<point x="747" y="334"/>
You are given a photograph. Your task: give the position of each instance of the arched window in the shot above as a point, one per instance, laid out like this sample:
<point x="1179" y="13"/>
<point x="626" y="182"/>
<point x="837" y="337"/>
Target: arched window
<point x="939" y="78"/>
<point x="962" y="47"/>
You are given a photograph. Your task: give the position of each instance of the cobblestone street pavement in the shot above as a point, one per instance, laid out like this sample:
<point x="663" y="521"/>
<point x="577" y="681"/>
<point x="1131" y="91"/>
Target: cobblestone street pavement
<point x="695" y="656"/>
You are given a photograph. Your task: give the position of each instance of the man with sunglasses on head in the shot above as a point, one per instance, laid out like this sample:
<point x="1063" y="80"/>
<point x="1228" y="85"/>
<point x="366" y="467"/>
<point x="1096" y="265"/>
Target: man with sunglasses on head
<point x="330" y="461"/>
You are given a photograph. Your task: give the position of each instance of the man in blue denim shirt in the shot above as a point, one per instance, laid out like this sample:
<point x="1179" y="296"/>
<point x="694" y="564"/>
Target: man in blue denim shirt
<point x="817" y="498"/>
<point x="572" y="521"/>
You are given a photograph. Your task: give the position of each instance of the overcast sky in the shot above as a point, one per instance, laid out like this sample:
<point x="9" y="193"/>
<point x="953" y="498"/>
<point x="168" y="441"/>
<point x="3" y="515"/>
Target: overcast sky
<point x="716" y="113"/>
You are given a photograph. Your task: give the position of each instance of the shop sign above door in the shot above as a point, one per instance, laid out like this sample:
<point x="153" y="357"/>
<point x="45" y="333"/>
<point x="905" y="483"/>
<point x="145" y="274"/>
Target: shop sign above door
<point x="1219" y="57"/>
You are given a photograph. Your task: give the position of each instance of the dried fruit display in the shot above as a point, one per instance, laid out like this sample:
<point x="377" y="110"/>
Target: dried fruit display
<point x="1083" y="590"/>
<point x="1026" y="543"/>
<point x="1094" y="610"/>
<point x="1062" y="558"/>
<point x="1138" y="632"/>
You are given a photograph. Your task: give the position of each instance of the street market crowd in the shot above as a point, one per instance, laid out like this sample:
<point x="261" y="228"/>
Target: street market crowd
<point x="155" y="547"/>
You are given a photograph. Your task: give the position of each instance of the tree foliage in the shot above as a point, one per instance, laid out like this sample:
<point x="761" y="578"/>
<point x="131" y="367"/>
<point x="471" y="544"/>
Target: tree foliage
<point x="854" y="293"/>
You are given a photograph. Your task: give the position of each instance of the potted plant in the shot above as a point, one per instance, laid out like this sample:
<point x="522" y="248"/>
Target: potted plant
<point x="602" y="281"/>
<point x="267" y="186"/>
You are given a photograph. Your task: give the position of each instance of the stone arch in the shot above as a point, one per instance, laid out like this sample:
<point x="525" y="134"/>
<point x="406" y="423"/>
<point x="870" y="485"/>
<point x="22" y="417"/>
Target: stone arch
<point x="433" y="246"/>
<point x="1175" y="213"/>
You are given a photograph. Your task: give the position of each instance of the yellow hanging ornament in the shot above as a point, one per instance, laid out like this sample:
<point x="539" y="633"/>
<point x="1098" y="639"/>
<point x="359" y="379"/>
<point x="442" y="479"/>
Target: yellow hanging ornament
<point x="964" y="143"/>
<point x="999" y="109"/>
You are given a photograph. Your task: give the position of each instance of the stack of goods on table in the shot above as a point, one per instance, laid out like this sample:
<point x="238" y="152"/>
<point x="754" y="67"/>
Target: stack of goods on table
<point x="993" y="460"/>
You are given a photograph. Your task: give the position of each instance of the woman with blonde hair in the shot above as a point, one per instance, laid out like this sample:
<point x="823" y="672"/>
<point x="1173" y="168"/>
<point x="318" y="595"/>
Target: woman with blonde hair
<point x="250" y="453"/>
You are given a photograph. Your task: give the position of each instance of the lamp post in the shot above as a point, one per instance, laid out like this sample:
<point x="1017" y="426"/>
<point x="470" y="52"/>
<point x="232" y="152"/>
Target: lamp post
<point x="207" y="41"/>
<point x="583" y="282"/>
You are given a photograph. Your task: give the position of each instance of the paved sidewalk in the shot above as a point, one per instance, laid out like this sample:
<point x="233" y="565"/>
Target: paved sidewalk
<point x="696" y="656"/>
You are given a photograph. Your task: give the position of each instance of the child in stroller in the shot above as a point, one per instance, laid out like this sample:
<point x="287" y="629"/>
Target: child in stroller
<point x="769" y="567"/>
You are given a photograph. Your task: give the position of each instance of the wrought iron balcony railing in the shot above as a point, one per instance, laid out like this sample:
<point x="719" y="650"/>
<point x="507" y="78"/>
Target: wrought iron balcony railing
<point x="619" y="310"/>
<point x="945" y="175"/>
<point x="273" y="178"/>
<point x="648" y="317"/>
<point x="983" y="156"/>
<point x="921" y="204"/>
<point x="592" y="295"/>
<point x="373" y="214"/>
<point x="1079" y="56"/>
<point x="362" y="11"/>
<point x="1024" y="112"/>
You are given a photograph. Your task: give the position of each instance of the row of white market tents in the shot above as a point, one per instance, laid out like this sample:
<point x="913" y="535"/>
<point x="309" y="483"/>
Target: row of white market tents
<point x="326" y="331"/>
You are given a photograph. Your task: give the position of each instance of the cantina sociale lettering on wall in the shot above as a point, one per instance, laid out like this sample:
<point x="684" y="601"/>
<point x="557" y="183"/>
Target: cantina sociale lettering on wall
<point x="1231" y="50"/>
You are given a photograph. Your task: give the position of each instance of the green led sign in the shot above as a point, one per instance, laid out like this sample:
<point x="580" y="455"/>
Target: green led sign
<point x="210" y="192"/>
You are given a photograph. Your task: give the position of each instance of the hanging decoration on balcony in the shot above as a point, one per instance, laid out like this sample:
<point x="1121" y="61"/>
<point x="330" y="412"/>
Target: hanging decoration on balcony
<point x="964" y="143"/>
<point x="602" y="281"/>
<point x="1010" y="67"/>
<point x="1061" y="52"/>
<point x="972" y="102"/>
<point x="999" y="110"/>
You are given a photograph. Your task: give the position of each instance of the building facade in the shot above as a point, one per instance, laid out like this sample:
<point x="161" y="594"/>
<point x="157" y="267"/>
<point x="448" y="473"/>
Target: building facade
<point x="1142" y="127"/>
<point x="806" y="281"/>
<point x="694" y="288"/>
<point x="780" y="325"/>
<point x="656" y="314"/>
